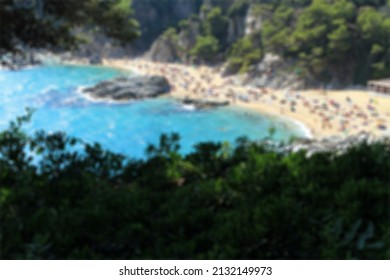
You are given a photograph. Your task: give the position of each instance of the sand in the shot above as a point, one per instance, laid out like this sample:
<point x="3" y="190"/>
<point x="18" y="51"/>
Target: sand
<point x="323" y="113"/>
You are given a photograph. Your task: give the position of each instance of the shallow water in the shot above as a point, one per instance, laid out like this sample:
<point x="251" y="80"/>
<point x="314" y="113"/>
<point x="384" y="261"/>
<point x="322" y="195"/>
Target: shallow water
<point x="128" y="127"/>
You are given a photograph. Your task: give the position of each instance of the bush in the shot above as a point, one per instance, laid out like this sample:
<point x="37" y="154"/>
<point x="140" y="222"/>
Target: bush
<point x="205" y="49"/>
<point x="242" y="55"/>
<point x="216" y="25"/>
<point x="246" y="202"/>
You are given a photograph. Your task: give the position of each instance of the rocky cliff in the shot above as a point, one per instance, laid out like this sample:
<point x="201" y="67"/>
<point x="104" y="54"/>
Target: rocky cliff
<point x="155" y="16"/>
<point x="253" y="20"/>
<point x="244" y="21"/>
<point x="272" y="71"/>
<point x="172" y="46"/>
<point x="165" y="49"/>
<point x="177" y="48"/>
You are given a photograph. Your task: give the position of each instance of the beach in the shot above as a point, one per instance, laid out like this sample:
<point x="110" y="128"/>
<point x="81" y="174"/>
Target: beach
<point x="324" y="113"/>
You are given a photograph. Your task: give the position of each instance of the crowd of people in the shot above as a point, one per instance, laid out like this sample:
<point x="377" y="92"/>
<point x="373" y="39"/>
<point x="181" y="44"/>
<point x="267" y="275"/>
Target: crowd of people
<point x="326" y="113"/>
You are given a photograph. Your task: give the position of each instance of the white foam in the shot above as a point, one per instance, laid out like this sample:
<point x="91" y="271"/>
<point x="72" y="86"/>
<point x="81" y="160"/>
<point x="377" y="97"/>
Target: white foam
<point x="189" y="107"/>
<point x="89" y="98"/>
<point x="301" y="126"/>
<point x="304" y="129"/>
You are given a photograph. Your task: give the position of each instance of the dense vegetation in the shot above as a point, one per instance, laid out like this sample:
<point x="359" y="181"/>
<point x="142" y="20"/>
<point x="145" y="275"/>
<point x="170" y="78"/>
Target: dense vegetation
<point x="243" y="54"/>
<point x="348" y="38"/>
<point x="344" y="39"/>
<point x="167" y="13"/>
<point x="61" y="198"/>
<point x="206" y="49"/>
<point x="52" y="24"/>
<point x="341" y="41"/>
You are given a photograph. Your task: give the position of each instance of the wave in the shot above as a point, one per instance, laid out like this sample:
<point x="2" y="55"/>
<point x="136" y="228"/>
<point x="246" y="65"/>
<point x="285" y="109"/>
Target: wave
<point x="81" y="93"/>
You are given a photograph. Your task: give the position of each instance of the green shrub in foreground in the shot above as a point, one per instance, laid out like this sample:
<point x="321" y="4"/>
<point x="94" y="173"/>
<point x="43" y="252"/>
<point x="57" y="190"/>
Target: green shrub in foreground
<point x="246" y="202"/>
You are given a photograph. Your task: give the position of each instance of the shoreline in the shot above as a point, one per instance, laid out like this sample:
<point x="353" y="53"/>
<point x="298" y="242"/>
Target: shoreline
<point x="320" y="113"/>
<point x="302" y="127"/>
<point x="350" y="117"/>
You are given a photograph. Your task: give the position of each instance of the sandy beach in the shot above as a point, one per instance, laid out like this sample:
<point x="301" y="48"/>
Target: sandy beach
<point x="325" y="113"/>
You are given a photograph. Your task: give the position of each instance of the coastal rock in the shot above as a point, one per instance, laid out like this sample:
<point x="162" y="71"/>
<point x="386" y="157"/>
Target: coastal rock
<point x="18" y="60"/>
<point x="204" y="104"/>
<point x="163" y="50"/>
<point x="132" y="88"/>
<point x="95" y="59"/>
<point x="336" y="144"/>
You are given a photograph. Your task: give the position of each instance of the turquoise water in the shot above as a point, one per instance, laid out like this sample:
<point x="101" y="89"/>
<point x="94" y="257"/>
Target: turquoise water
<point x="127" y="127"/>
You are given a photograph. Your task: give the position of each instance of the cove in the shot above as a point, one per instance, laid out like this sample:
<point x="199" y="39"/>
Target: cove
<point x="127" y="128"/>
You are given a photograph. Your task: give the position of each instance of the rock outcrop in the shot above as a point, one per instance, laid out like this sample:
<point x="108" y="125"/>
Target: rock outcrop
<point x="173" y="47"/>
<point x="337" y="144"/>
<point x="272" y="71"/>
<point x="18" y="60"/>
<point x="187" y="36"/>
<point x="164" y="49"/>
<point x="253" y="21"/>
<point x="132" y="88"/>
<point x="236" y="28"/>
<point x="204" y="104"/>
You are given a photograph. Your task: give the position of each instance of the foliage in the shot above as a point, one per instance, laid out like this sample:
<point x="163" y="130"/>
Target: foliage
<point x="374" y="28"/>
<point x="278" y="29"/>
<point x="340" y="42"/>
<point x="333" y="38"/>
<point x="206" y="48"/>
<point x="47" y="23"/>
<point x="243" y="54"/>
<point x="215" y="25"/>
<point x="170" y="33"/>
<point x="239" y="8"/>
<point x="155" y="16"/>
<point x="63" y="199"/>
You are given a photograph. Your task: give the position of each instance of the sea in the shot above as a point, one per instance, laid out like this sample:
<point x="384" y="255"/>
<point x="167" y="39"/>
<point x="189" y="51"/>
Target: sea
<point x="53" y="91"/>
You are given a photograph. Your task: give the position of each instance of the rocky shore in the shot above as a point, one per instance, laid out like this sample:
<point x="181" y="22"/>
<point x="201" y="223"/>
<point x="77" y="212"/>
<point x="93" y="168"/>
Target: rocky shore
<point x="204" y="104"/>
<point x="130" y="88"/>
<point x="19" y="60"/>
<point x="337" y="144"/>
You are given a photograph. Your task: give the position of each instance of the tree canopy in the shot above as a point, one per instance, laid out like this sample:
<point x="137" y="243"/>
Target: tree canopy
<point x="61" y="198"/>
<point x="48" y="23"/>
<point x="343" y="38"/>
<point x="243" y="54"/>
<point x="341" y="41"/>
<point x="215" y="24"/>
<point x="206" y="48"/>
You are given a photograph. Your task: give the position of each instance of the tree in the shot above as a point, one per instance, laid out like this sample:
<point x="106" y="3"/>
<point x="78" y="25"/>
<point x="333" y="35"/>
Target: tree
<point x="238" y="8"/>
<point x="243" y="54"/>
<point x="374" y="28"/>
<point x="47" y="23"/>
<point x="254" y="201"/>
<point x="345" y="40"/>
<point x="215" y="25"/>
<point x="206" y="48"/>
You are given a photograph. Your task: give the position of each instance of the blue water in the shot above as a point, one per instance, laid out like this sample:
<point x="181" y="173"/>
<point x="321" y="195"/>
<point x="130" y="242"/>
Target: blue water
<point x="126" y="128"/>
